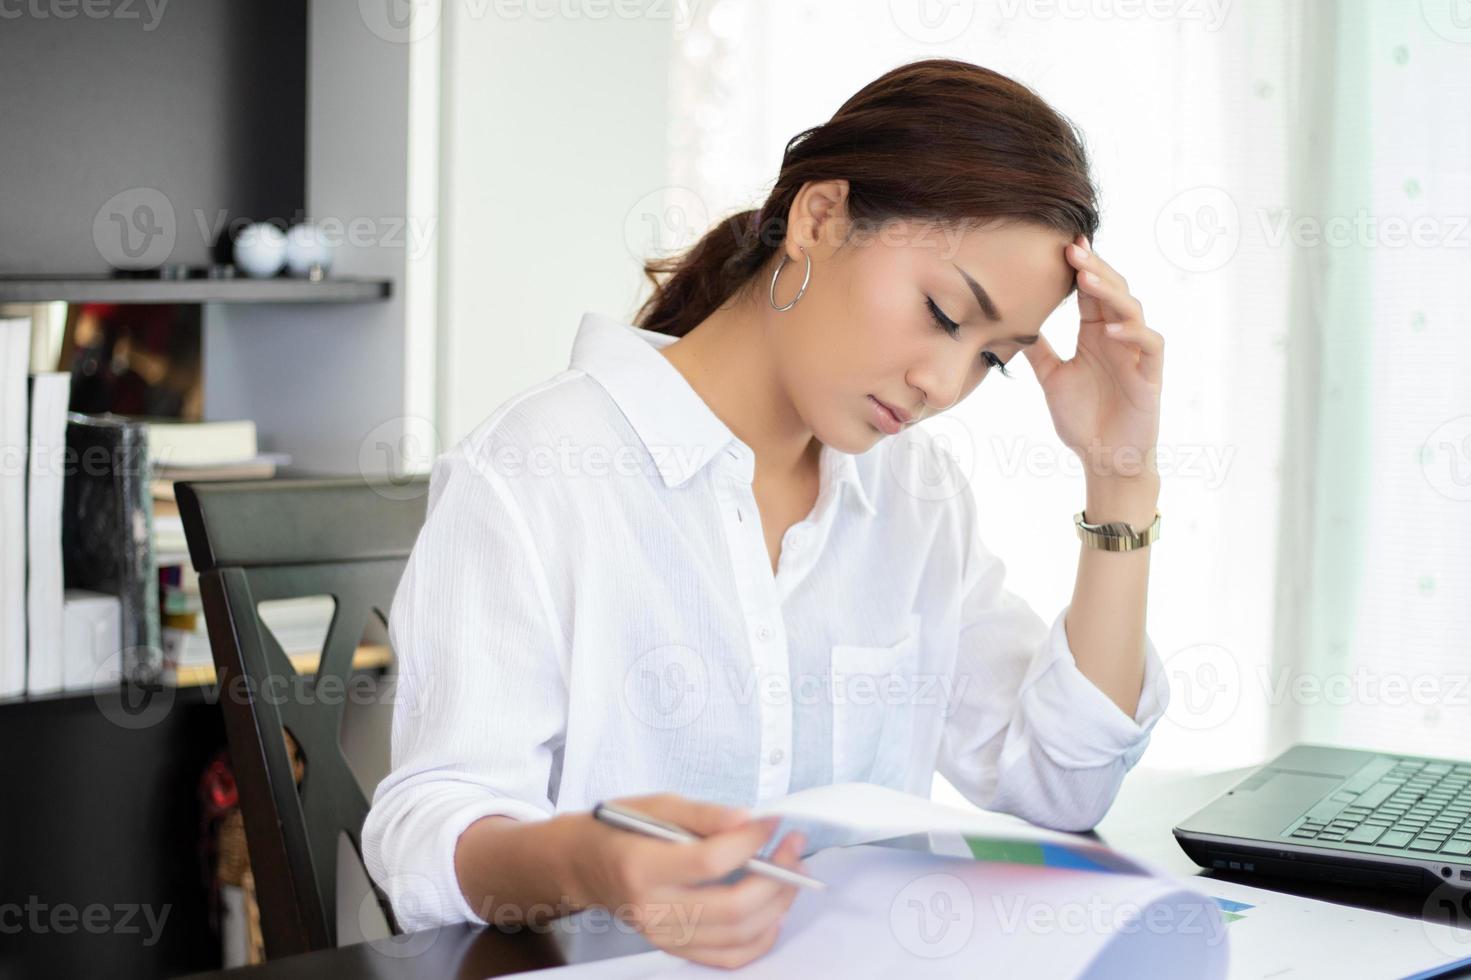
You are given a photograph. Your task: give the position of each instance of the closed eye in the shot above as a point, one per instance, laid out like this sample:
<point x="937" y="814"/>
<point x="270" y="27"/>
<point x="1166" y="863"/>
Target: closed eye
<point x="953" y="329"/>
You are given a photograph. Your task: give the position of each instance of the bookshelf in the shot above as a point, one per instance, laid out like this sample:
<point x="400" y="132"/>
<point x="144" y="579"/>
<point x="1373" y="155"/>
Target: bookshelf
<point x="108" y="289"/>
<point x="290" y="109"/>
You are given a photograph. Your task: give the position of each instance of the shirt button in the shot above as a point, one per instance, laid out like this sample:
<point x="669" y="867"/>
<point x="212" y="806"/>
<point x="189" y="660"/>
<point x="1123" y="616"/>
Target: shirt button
<point x="776" y="756"/>
<point x="794" y="541"/>
<point x="764" y="633"/>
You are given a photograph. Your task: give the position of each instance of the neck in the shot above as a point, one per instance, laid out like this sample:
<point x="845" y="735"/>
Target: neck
<point x="728" y="359"/>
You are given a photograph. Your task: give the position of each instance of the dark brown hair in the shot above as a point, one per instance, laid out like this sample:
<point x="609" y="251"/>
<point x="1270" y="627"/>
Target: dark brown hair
<point x="940" y="139"/>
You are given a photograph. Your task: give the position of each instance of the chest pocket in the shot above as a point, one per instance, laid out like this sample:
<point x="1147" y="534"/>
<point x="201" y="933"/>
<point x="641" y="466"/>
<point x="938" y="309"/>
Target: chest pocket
<point x="873" y="689"/>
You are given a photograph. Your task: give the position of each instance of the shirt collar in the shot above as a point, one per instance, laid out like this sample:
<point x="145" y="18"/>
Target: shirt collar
<point x="675" y="424"/>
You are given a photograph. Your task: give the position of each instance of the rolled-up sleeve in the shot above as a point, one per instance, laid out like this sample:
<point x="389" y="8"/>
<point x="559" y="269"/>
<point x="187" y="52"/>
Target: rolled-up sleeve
<point x="480" y="703"/>
<point x="1027" y="732"/>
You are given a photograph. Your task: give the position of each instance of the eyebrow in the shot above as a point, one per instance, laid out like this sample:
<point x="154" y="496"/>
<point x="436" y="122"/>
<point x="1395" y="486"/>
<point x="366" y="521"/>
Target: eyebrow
<point x="989" y="308"/>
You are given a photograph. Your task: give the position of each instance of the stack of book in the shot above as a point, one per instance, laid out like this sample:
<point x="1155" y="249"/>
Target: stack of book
<point x="95" y="578"/>
<point x="178" y="452"/>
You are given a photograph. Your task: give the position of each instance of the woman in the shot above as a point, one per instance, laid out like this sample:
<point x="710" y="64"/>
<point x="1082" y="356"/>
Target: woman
<point x="712" y="562"/>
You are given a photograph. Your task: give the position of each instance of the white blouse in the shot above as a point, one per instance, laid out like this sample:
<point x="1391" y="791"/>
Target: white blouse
<point x="590" y="612"/>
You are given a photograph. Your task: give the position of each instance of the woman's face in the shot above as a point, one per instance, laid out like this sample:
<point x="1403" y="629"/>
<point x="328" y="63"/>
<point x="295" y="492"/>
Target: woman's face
<point x="865" y="330"/>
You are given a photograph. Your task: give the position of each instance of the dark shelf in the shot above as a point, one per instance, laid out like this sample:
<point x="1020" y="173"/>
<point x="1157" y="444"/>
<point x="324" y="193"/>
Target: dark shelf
<point x="107" y="289"/>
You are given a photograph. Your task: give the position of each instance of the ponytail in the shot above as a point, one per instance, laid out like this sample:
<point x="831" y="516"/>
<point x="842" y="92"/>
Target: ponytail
<point x="704" y="277"/>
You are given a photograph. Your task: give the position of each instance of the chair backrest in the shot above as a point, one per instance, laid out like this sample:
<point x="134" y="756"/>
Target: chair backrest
<point x="258" y="540"/>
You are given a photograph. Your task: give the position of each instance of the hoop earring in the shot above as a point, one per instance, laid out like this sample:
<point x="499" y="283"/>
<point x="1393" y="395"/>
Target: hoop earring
<point x="806" y="277"/>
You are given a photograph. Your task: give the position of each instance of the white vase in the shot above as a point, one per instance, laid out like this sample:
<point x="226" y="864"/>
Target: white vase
<point x="260" y="250"/>
<point x="307" y="246"/>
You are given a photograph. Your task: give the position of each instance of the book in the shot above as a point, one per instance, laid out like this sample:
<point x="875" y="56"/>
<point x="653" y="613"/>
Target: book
<point x="261" y="466"/>
<point x="15" y="353"/>
<point x="90" y="624"/>
<point x="45" y="485"/>
<point x="107" y="530"/>
<point x="176" y="443"/>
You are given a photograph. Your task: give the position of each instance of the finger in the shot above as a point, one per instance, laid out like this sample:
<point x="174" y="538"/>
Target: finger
<point x="720" y="916"/>
<point x="737" y="921"/>
<point x="1043" y="358"/>
<point x="1113" y="301"/>
<point x="696" y="816"/>
<point x="1150" y="343"/>
<point x="730" y="904"/>
<point x="666" y="863"/>
<point x="1083" y="257"/>
<point x="1077" y="255"/>
<point x="731" y="957"/>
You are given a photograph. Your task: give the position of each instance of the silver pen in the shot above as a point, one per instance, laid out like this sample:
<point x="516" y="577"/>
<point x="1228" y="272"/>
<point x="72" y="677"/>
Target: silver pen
<point x="624" y="818"/>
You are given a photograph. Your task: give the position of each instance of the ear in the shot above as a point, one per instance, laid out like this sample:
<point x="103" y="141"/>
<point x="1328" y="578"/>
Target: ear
<point x="819" y="218"/>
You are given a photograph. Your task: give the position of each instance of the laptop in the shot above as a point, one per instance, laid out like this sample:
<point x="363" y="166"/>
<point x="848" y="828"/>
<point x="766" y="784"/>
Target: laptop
<point x="1344" y="816"/>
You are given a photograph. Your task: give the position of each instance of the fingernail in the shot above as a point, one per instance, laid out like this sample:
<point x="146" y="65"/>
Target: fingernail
<point x="1113" y="327"/>
<point x="1082" y="247"/>
<point x="1090" y="278"/>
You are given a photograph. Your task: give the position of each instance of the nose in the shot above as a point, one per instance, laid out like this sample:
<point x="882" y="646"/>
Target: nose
<point x="940" y="382"/>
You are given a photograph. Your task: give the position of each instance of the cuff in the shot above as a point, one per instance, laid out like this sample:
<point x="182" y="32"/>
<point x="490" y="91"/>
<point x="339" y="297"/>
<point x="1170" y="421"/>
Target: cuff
<point x="1077" y="724"/>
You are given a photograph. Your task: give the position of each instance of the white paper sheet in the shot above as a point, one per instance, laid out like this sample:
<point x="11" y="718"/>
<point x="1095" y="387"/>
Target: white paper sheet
<point x="892" y="912"/>
<point x="1286" y="937"/>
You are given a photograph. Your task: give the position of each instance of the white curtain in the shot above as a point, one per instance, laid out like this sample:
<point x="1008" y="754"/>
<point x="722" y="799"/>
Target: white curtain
<point x="1311" y="522"/>
<point x="1375" y="650"/>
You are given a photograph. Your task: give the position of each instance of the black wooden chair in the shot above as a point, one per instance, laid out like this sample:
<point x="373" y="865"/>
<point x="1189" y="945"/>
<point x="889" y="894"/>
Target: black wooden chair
<point x="259" y="540"/>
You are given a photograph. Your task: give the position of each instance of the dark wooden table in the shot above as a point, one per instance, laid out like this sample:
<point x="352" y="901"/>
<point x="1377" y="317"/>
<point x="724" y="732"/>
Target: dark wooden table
<point x="1139" y="823"/>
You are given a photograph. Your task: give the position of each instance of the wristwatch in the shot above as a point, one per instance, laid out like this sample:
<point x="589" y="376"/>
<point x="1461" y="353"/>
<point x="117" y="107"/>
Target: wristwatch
<point x="1117" y="535"/>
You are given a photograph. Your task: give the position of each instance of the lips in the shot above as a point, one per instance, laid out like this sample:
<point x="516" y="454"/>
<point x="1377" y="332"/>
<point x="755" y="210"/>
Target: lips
<point x="884" y="418"/>
<point x="903" y="417"/>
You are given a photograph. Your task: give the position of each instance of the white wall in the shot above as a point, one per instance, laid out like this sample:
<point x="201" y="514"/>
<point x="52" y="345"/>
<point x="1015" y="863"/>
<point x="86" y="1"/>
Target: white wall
<point x="553" y="130"/>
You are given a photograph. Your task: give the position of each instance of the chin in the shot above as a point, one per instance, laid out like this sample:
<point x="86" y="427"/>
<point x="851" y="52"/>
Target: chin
<point x="853" y="439"/>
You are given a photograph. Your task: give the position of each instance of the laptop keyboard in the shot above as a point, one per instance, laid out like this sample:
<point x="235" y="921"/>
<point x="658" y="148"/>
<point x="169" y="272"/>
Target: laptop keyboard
<point x="1417" y="805"/>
